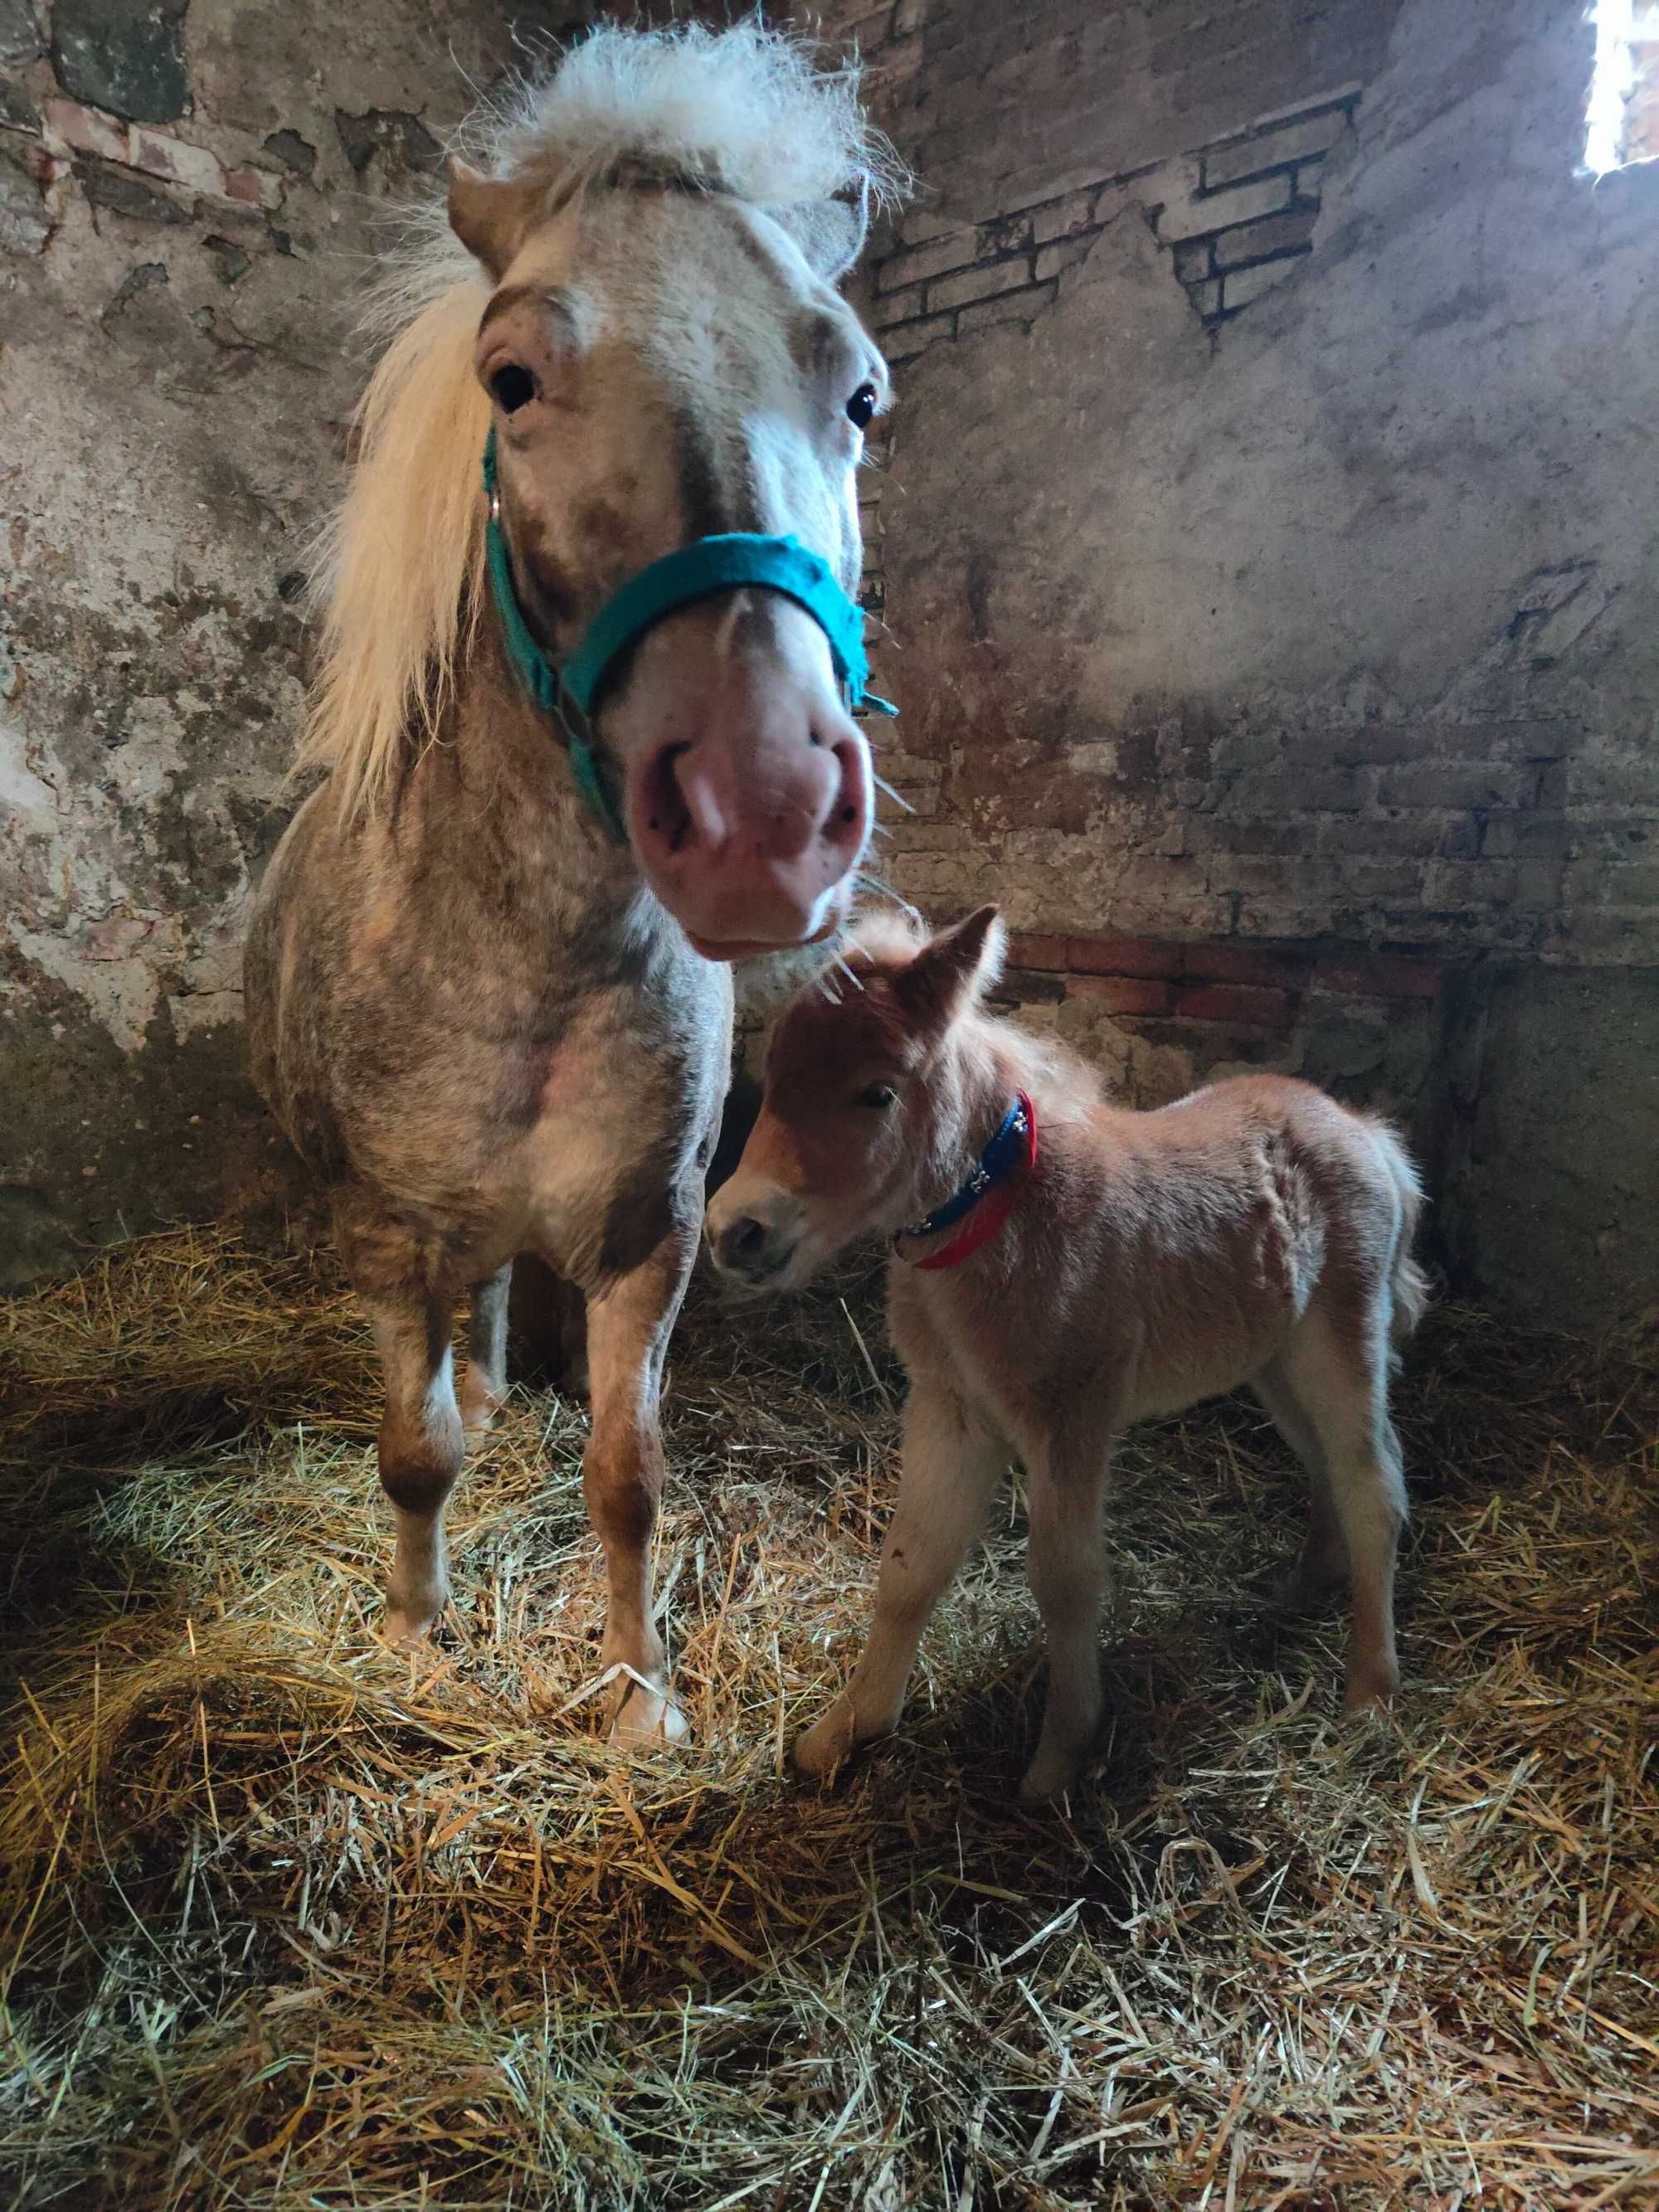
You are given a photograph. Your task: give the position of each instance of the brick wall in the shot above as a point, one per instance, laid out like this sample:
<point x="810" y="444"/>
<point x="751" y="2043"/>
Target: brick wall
<point x="1257" y="547"/>
<point x="1494" y="819"/>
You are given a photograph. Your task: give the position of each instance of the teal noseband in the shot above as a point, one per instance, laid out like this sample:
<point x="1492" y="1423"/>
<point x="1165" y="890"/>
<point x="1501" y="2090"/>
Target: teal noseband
<point x="707" y="565"/>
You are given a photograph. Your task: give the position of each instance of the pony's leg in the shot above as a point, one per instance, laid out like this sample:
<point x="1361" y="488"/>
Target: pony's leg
<point x="1337" y="1366"/>
<point x="483" y="1386"/>
<point x="1065" y="1562"/>
<point x="628" y="1326"/>
<point x="951" y="1466"/>
<point x="421" y="1449"/>
<point x="1322" y="1566"/>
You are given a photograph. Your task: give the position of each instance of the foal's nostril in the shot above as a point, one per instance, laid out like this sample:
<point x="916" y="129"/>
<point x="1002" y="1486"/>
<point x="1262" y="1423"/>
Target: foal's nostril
<point x="742" y="1244"/>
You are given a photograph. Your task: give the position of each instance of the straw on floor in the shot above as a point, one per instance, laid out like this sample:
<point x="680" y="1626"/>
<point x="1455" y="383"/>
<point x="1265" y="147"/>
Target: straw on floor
<point x="292" y="1920"/>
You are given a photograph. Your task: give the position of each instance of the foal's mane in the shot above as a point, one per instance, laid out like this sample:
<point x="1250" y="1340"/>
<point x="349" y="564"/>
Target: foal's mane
<point x="400" y="562"/>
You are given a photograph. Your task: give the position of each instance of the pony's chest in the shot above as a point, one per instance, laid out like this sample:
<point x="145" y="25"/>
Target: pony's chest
<point x="613" y="1138"/>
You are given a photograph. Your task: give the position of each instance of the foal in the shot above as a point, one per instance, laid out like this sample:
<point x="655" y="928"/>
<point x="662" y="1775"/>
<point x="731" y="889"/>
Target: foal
<point x="1094" y="1266"/>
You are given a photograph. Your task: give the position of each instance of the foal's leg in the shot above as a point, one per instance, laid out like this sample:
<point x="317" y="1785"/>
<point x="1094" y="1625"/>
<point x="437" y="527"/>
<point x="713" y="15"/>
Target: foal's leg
<point x="483" y="1386"/>
<point x="1323" y="1565"/>
<point x="422" y="1448"/>
<point x="1337" y="1366"/>
<point x="1065" y="1562"/>
<point x="951" y="1466"/>
<point x="628" y="1326"/>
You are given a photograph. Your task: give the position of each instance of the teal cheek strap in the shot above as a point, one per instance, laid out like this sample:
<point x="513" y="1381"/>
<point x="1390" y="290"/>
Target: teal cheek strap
<point x="698" y="571"/>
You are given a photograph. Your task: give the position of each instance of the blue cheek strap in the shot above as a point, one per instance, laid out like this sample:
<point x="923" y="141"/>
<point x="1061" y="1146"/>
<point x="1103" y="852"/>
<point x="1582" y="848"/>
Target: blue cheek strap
<point x="696" y="571"/>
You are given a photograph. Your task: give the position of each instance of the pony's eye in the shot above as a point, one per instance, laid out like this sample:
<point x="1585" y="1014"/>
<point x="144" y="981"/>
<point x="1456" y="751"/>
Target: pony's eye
<point x="879" y="1096"/>
<point x="514" y="387"/>
<point x="861" y="406"/>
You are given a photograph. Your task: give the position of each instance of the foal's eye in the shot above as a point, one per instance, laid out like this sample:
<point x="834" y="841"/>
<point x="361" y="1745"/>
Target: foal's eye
<point x="861" y="406"/>
<point x="879" y="1096"/>
<point x="514" y="387"/>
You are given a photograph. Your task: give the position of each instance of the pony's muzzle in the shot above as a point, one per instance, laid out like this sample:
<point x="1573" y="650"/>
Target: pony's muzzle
<point x="748" y="792"/>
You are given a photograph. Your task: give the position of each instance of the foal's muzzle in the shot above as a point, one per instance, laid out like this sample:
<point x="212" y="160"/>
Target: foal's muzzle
<point x="754" y="1235"/>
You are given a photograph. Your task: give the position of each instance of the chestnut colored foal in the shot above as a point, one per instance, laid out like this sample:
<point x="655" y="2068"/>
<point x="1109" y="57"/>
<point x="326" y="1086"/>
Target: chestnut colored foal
<point x="1095" y="1265"/>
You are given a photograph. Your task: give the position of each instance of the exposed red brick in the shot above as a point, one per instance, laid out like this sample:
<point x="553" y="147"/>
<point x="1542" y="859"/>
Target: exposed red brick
<point x="1027" y="951"/>
<point x="1247" y="1006"/>
<point x="1374" y="977"/>
<point x="1123" y="994"/>
<point x="1121" y="955"/>
<point x="1243" y="963"/>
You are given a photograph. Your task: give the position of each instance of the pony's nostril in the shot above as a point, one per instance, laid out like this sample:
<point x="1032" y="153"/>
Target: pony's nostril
<point x="743" y="1243"/>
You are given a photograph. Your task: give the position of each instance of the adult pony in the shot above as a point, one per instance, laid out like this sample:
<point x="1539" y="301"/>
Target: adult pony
<point x="485" y="989"/>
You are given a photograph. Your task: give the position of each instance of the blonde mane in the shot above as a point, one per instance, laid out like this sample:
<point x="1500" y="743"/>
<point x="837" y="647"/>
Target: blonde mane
<point x="400" y="563"/>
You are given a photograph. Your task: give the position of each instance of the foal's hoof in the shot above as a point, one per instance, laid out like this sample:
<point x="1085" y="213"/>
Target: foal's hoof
<point x="646" y="1719"/>
<point x="1370" y="1692"/>
<point x="827" y="1744"/>
<point x="479" y="1407"/>
<point x="411" y="1621"/>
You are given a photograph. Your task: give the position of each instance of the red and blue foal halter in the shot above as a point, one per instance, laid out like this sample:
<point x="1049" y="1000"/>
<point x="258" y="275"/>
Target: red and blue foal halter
<point x="994" y="1188"/>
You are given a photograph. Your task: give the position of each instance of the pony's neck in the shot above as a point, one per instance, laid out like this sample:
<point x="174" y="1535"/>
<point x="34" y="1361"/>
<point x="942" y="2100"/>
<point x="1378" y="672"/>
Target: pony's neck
<point x="493" y="802"/>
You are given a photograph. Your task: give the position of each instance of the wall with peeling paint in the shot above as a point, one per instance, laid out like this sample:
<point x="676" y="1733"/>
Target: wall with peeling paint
<point x="188" y="196"/>
<point x="1265" y="541"/>
<point x="1264" y="536"/>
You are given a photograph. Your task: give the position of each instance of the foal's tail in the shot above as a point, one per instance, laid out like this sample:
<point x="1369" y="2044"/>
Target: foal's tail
<point x="1407" y="1283"/>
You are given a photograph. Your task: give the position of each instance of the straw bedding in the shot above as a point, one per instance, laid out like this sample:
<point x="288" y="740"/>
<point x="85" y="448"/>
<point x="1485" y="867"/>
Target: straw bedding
<point x="291" y="1920"/>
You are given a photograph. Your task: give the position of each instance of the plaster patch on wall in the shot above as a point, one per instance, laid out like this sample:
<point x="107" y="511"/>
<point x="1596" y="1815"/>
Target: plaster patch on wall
<point x="1235" y="216"/>
<point x="170" y="444"/>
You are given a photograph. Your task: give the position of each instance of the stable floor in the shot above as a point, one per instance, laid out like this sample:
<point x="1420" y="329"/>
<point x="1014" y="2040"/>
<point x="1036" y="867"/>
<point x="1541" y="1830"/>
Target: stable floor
<point x="291" y="1920"/>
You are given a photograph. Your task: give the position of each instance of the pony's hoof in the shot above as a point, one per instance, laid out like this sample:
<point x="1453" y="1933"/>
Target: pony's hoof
<point x="1048" y="1778"/>
<point x="1310" y="1587"/>
<point x="646" y="1719"/>
<point x="827" y="1744"/>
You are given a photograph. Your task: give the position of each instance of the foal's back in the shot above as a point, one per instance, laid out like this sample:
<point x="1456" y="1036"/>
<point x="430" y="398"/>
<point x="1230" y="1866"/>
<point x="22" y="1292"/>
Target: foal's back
<point x="1209" y="1229"/>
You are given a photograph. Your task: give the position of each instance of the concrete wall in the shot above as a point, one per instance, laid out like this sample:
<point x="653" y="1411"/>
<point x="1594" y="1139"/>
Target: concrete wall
<point x="1266" y="542"/>
<point x="187" y="194"/>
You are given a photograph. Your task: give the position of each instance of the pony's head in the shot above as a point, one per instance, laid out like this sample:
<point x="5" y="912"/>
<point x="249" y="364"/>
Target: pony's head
<point x="871" y="1076"/>
<point x="653" y="332"/>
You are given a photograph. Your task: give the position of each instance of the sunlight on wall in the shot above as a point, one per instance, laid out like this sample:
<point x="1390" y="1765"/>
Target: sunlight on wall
<point x="1622" y="119"/>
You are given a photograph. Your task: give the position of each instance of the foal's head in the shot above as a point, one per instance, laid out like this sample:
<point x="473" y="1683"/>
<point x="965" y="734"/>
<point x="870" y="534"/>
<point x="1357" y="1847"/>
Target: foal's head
<point x="666" y="358"/>
<point x="870" y="1079"/>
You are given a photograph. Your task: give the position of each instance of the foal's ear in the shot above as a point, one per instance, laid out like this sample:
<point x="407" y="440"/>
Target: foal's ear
<point x="490" y="215"/>
<point x="830" y="234"/>
<point x="954" y="969"/>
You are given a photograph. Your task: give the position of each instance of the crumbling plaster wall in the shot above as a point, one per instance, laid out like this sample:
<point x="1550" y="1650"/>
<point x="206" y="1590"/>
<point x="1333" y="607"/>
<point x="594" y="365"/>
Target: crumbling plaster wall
<point x="1239" y="628"/>
<point x="187" y="197"/>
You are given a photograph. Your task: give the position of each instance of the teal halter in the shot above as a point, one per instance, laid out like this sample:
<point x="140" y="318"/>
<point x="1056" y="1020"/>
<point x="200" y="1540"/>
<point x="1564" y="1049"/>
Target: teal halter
<point x="707" y="565"/>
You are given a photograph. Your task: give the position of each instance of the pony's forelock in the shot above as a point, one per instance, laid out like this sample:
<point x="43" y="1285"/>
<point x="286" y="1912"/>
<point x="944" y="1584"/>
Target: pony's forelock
<point x="396" y="568"/>
<point x="746" y="110"/>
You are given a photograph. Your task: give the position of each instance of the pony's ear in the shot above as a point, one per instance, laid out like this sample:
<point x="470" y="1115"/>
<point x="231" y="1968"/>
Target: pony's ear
<point x="953" y="970"/>
<point x="490" y="215"/>
<point x="830" y="234"/>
